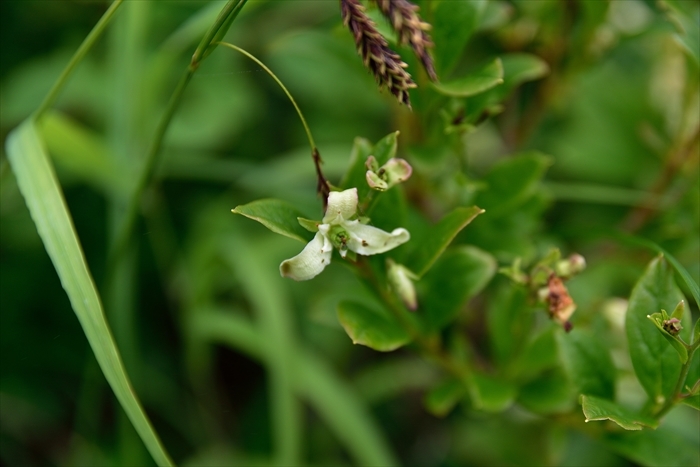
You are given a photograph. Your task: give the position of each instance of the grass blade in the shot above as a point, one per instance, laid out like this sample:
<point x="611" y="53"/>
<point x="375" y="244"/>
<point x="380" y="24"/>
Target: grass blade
<point x="42" y="193"/>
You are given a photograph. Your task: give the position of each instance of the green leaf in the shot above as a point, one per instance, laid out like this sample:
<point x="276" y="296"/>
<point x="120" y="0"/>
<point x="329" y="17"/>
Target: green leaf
<point x="520" y="68"/>
<point x="595" y="408"/>
<point x="509" y="322"/>
<point x="512" y="182"/>
<point x="655" y="362"/>
<point x="458" y="275"/>
<point x="492" y="394"/>
<point x="477" y="81"/>
<point x="540" y="354"/>
<point x="444" y="397"/>
<point x="550" y="393"/>
<point x="277" y="215"/>
<point x="368" y="327"/>
<point x="587" y="360"/>
<point x="658" y="319"/>
<point x="42" y="193"/>
<point x="692" y="401"/>
<point x="429" y="249"/>
<point x="454" y="22"/>
<point x="696" y="331"/>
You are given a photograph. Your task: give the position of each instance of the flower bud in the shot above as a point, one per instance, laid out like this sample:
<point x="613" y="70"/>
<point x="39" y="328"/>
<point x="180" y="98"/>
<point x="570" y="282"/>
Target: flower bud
<point x="570" y="266"/>
<point x="401" y="280"/>
<point x="393" y="172"/>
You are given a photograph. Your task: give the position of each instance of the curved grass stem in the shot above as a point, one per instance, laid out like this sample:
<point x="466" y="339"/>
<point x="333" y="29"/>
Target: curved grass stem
<point x="284" y="88"/>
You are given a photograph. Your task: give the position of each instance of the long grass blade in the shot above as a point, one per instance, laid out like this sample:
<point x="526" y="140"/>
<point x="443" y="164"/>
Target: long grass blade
<point x="42" y="193"/>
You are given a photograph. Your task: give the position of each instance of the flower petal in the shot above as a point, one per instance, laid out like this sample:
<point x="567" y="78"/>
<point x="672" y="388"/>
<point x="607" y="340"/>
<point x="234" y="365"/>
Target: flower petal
<point x="313" y="259"/>
<point x="367" y="240"/>
<point x="397" y="171"/>
<point x="375" y="182"/>
<point x="341" y="204"/>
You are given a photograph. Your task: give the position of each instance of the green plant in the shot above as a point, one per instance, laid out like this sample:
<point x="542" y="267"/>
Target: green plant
<point x="512" y="132"/>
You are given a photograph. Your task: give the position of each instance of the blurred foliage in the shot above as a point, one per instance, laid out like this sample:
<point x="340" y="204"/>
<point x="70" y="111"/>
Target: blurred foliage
<point x="568" y="121"/>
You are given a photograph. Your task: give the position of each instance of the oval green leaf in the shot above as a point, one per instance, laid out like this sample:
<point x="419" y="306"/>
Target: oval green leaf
<point x="277" y="215"/>
<point x="370" y="328"/>
<point x="587" y="361"/>
<point x="655" y="362"/>
<point x="457" y="276"/>
<point x="477" y="81"/>
<point x="595" y="409"/>
<point x="429" y="249"/>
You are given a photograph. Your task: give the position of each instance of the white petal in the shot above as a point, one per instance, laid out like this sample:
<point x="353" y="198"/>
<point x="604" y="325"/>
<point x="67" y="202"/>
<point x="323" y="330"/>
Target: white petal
<point x="313" y="259"/>
<point x="367" y="240"/>
<point x="341" y="204"/>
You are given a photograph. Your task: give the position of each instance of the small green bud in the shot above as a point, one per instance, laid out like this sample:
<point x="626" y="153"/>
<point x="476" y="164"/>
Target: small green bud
<point x="570" y="266"/>
<point x="401" y="280"/>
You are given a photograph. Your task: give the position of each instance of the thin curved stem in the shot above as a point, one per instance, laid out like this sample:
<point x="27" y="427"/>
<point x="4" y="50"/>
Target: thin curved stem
<point x="284" y="88"/>
<point x="78" y="56"/>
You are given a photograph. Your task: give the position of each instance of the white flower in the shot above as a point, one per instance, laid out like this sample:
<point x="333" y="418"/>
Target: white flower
<point x="382" y="178"/>
<point x="339" y="231"/>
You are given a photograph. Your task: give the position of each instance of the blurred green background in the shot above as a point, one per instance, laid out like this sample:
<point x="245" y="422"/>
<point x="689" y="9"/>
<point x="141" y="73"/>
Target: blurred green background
<point x="199" y="297"/>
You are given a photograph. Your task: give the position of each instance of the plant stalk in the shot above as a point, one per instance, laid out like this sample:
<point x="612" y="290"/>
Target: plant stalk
<point x="78" y="56"/>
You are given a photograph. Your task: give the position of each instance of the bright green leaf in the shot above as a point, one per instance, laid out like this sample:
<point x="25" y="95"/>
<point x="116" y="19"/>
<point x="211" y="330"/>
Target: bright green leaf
<point x="368" y="327"/>
<point x="454" y="22"/>
<point x="477" y="81"/>
<point x="277" y="215"/>
<point x="587" y="361"/>
<point x="595" y="408"/>
<point x="492" y="394"/>
<point x="655" y="362"/>
<point x="458" y="275"/>
<point x="511" y="182"/>
<point x="444" y="397"/>
<point x="42" y="193"/>
<point x="429" y="249"/>
<point x="696" y="331"/>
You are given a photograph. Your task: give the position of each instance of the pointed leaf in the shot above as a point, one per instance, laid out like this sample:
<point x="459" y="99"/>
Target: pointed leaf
<point x="42" y="193"/>
<point x="458" y="275"/>
<point x="370" y="328"/>
<point x="429" y="249"/>
<point x="454" y="22"/>
<point x="595" y="409"/>
<point x="587" y="361"/>
<point x="655" y="361"/>
<point x="477" y="81"/>
<point x="279" y="216"/>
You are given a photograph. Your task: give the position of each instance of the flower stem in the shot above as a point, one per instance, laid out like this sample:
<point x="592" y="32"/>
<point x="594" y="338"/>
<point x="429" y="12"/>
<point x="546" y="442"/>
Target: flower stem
<point x="284" y="88"/>
<point x="78" y="56"/>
